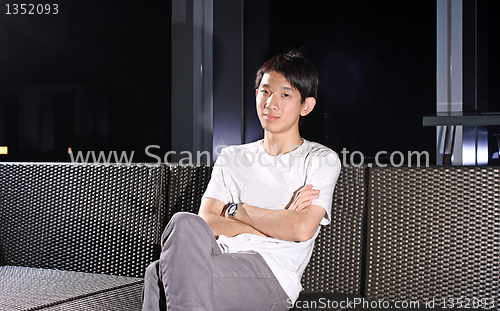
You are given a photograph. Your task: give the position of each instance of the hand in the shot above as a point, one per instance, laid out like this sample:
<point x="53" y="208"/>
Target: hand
<point x="302" y="198"/>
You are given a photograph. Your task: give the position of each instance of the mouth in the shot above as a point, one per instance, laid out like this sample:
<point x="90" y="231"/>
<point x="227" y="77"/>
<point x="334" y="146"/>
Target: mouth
<point x="270" y="117"/>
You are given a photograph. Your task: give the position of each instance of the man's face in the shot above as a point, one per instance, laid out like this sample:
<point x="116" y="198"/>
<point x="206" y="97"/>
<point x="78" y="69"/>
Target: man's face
<point x="278" y="104"/>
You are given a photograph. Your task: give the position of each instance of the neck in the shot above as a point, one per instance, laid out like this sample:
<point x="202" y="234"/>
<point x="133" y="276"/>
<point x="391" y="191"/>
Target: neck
<point x="276" y="144"/>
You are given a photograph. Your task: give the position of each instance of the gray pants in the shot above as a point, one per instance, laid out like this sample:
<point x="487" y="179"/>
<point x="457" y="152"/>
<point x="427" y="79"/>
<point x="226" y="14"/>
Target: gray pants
<point x="193" y="274"/>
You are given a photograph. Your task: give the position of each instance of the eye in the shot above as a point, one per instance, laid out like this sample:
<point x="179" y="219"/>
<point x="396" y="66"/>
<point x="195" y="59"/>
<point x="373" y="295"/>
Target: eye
<point x="264" y="91"/>
<point x="286" y="95"/>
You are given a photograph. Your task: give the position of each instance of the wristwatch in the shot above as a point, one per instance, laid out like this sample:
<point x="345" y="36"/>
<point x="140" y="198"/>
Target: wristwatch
<point x="232" y="209"/>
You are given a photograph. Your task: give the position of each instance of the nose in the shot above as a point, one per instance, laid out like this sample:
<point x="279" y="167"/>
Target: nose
<point x="271" y="103"/>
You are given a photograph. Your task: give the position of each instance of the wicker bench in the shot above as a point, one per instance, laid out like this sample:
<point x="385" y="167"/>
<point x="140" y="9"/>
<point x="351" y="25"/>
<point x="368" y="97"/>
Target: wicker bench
<point x="72" y="236"/>
<point x="78" y="237"/>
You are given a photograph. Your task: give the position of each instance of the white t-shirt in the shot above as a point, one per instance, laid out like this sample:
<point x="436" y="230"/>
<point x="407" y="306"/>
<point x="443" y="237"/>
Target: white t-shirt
<point x="248" y="174"/>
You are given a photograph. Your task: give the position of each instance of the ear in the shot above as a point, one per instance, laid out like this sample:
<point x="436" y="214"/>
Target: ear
<point x="308" y="106"/>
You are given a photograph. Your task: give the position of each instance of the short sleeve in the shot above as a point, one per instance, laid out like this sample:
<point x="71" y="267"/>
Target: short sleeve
<point x="323" y="175"/>
<point x="216" y="188"/>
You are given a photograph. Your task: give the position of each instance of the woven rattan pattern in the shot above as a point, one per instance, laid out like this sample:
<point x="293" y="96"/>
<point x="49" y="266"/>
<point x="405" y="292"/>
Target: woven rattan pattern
<point x="127" y="298"/>
<point x="186" y="187"/>
<point x="33" y="289"/>
<point x="88" y="218"/>
<point x="336" y="264"/>
<point x="434" y="233"/>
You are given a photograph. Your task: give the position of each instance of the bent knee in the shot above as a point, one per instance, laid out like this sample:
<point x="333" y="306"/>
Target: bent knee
<point x="184" y="218"/>
<point x="182" y="222"/>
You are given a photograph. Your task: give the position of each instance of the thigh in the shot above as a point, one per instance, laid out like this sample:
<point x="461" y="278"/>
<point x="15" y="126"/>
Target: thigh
<point x="243" y="281"/>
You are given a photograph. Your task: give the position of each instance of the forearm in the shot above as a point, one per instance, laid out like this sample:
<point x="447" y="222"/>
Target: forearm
<point x="210" y="211"/>
<point x="288" y="225"/>
<point x="228" y="227"/>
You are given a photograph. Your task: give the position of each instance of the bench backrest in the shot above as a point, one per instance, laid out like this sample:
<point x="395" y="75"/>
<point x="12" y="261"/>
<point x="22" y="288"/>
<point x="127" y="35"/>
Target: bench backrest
<point x="87" y="218"/>
<point x="337" y="262"/>
<point x="434" y="233"/>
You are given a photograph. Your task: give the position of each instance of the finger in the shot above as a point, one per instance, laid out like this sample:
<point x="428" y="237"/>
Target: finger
<point x="304" y="194"/>
<point x="307" y="192"/>
<point x="305" y="198"/>
<point x="304" y="188"/>
<point x="307" y="195"/>
<point x="303" y="205"/>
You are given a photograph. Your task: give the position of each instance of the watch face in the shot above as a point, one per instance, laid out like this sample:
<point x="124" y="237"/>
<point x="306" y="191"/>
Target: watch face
<point x="232" y="209"/>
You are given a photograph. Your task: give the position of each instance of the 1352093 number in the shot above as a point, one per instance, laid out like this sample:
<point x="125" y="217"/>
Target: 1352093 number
<point x="32" y="9"/>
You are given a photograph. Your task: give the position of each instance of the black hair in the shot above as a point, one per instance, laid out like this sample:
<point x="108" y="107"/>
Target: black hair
<point x="297" y="70"/>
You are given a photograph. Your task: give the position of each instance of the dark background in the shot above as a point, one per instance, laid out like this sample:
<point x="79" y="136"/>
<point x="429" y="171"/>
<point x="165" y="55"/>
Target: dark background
<point x="101" y="69"/>
<point x="97" y="75"/>
<point x="376" y="61"/>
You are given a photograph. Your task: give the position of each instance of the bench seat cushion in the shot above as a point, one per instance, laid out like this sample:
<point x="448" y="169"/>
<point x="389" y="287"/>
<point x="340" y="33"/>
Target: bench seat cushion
<point x="23" y="288"/>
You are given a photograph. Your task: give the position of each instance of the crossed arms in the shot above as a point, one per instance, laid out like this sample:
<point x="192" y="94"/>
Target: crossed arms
<point x="297" y="222"/>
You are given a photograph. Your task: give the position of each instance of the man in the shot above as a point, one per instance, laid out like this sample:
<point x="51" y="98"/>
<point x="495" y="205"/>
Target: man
<point x="254" y="234"/>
